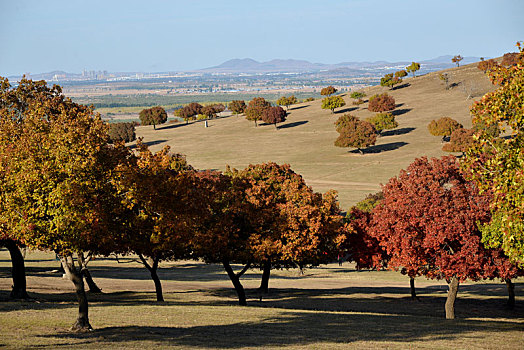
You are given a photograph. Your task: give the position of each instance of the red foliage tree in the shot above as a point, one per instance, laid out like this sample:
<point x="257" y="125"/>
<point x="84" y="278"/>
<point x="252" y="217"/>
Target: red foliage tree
<point x="328" y="91"/>
<point x="355" y="133"/>
<point x="427" y="224"/>
<point x="381" y="103"/>
<point x="460" y="140"/>
<point x="256" y="109"/>
<point x="237" y="106"/>
<point x="274" y="115"/>
<point x="511" y="58"/>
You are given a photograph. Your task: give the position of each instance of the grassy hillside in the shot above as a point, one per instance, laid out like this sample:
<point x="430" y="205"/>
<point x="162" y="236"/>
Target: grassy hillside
<point x="306" y="139"/>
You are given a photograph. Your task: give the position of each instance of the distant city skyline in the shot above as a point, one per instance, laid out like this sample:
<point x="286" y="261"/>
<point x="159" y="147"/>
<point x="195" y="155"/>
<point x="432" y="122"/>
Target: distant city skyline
<point x="159" y="36"/>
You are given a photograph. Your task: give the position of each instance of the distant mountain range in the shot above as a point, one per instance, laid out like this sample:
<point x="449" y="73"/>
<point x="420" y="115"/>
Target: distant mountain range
<point x="249" y="65"/>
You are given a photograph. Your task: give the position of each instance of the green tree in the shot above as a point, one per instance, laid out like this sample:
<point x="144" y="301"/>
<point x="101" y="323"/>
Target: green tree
<point x="153" y="116"/>
<point x="287" y="101"/>
<point x="357" y="95"/>
<point x="401" y="73"/>
<point x="413" y="67"/>
<point x="333" y="102"/>
<point x="390" y="80"/>
<point x="383" y="121"/>
<point x="496" y="164"/>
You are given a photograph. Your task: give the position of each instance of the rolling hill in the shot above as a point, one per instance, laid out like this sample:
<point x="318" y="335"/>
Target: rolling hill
<point x="306" y="139"/>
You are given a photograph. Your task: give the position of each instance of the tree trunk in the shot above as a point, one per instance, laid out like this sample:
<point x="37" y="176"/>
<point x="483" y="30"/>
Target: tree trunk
<point x="17" y="270"/>
<point x="236" y="283"/>
<point x="511" y="294"/>
<point x="412" y="287"/>
<point x="152" y="266"/>
<point x="76" y="276"/>
<point x="452" y="295"/>
<point x="276" y="126"/>
<point x="154" y="126"/>
<point x="93" y="288"/>
<point x="264" y="284"/>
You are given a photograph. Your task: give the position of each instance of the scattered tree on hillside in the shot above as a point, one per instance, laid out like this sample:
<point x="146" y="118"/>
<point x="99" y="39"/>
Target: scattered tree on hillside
<point x="256" y="108"/>
<point x="413" y="67"/>
<point x="328" y="91"/>
<point x="490" y="154"/>
<point x="354" y="133"/>
<point x="383" y="121"/>
<point x="287" y="101"/>
<point x="460" y="140"/>
<point x="237" y="106"/>
<point x="274" y="115"/>
<point x="427" y="223"/>
<point x="510" y="58"/>
<point x="456" y="59"/>
<point x="445" y="78"/>
<point x="401" y="73"/>
<point x="122" y="132"/>
<point x="153" y="116"/>
<point x="390" y="80"/>
<point x="381" y="103"/>
<point x="443" y="127"/>
<point x="333" y="102"/>
<point x="357" y="95"/>
<point x="211" y="111"/>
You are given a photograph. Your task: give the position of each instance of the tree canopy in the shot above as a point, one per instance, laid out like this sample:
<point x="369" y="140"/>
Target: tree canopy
<point x="354" y="133"/>
<point x="413" y="67"/>
<point x="333" y="102"/>
<point x="256" y="109"/>
<point x="153" y="116"/>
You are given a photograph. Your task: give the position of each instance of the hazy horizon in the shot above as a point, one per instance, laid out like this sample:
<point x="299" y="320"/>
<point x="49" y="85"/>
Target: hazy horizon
<point x="160" y="36"/>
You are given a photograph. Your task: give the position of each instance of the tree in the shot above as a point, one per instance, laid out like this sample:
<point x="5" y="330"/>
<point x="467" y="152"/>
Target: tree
<point x="328" y="91"/>
<point x="153" y="116"/>
<point x="274" y="115"/>
<point x="487" y="65"/>
<point x="333" y="102"/>
<point x="58" y="194"/>
<point x="237" y="106"/>
<point x="413" y="67"/>
<point x="19" y="290"/>
<point x="427" y="223"/>
<point x="354" y="133"/>
<point x="256" y="108"/>
<point x="381" y="103"/>
<point x="383" y="121"/>
<point x="401" y="73"/>
<point x="445" y="78"/>
<point x="510" y="59"/>
<point x="456" y="59"/>
<point x="156" y="190"/>
<point x="209" y="111"/>
<point x="122" y="132"/>
<point x="443" y="127"/>
<point x="287" y="101"/>
<point x="357" y="95"/>
<point x="496" y="164"/>
<point x="390" y="80"/>
<point x="460" y="140"/>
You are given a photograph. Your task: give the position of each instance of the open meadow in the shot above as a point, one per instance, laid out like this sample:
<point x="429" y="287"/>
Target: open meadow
<point x="330" y="307"/>
<point x="306" y="139"/>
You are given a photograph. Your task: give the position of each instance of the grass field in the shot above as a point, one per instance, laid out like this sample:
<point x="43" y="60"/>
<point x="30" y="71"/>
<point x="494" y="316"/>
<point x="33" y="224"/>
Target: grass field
<point x="328" y="307"/>
<point x="306" y="139"/>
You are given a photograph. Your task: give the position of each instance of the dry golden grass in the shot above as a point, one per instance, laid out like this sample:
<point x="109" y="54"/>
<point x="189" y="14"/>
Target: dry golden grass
<point x="306" y="139"/>
<point x="329" y="307"/>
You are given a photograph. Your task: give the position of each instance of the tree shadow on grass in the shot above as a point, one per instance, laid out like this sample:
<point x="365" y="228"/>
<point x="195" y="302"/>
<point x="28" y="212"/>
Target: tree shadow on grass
<point x="299" y="107"/>
<point x="149" y="143"/>
<point x="293" y="124"/>
<point x="294" y="328"/>
<point x="396" y="132"/>
<point x="346" y="110"/>
<point x="173" y="126"/>
<point x="380" y="148"/>
<point x="401" y="86"/>
<point x="398" y="112"/>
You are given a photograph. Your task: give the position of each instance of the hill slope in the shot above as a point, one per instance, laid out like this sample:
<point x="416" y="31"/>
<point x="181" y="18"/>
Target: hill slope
<point x="306" y="139"/>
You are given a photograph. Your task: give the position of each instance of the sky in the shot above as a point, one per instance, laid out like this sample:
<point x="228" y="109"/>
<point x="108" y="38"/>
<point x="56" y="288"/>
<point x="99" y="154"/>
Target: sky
<point x="160" y="35"/>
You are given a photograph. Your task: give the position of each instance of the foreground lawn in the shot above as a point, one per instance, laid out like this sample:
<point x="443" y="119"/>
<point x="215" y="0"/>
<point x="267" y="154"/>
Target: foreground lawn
<point x="328" y="307"/>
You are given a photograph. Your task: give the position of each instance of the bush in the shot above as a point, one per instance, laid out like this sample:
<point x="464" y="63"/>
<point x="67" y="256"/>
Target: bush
<point x="201" y="117"/>
<point x="309" y="99"/>
<point x="383" y="121"/>
<point x="487" y="65"/>
<point x="443" y="127"/>
<point x="358" y="102"/>
<point x="357" y="95"/>
<point x="510" y="58"/>
<point x="460" y="140"/>
<point x="381" y="103"/>
<point x="122" y="132"/>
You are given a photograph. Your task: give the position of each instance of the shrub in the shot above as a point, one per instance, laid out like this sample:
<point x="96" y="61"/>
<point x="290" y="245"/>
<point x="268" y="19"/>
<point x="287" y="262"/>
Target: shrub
<point x="460" y="140"/>
<point x="122" y="132"/>
<point x="510" y="59"/>
<point x="358" y="102"/>
<point x="383" y="121"/>
<point x="309" y="99"/>
<point x="357" y="95"/>
<point x="487" y="65"/>
<point x="443" y="127"/>
<point x="381" y="103"/>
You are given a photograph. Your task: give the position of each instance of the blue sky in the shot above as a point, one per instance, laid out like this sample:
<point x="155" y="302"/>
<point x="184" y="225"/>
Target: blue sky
<point x="41" y="36"/>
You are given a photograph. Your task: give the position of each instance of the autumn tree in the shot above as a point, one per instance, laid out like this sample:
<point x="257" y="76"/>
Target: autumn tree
<point x="274" y="115"/>
<point x="122" y="132"/>
<point x="59" y="165"/>
<point x="445" y="78"/>
<point x="156" y="190"/>
<point x="510" y="58"/>
<point x="153" y="116"/>
<point x="460" y="140"/>
<point x="487" y="65"/>
<point x="381" y="103"/>
<point x="354" y="133"/>
<point x="390" y="80"/>
<point x="287" y="101"/>
<point x="456" y="59"/>
<point x="443" y="127"/>
<point x="256" y="109"/>
<point x="496" y="164"/>
<point x="413" y="67"/>
<point x="401" y="73"/>
<point x="427" y="223"/>
<point x="383" y="121"/>
<point x="237" y="106"/>
<point x="328" y="91"/>
<point x="19" y="288"/>
<point x="333" y="102"/>
<point x="357" y="95"/>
